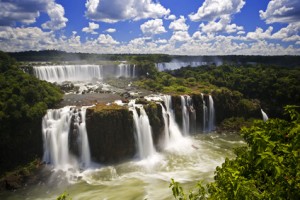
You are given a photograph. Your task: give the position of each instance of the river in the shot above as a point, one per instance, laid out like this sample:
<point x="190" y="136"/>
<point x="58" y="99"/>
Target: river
<point x="195" y="159"/>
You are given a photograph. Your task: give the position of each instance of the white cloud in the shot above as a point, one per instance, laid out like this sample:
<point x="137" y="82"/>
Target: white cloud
<point x="218" y="14"/>
<point x="57" y="20"/>
<point x="213" y="9"/>
<point x="260" y="34"/>
<point x="170" y="17"/>
<point x="28" y="11"/>
<point x="284" y="11"/>
<point x="179" y="24"/>
<point x="106" y="39"/>
<point x="24" y="39"/>
<point x="153" y="27"/>
<point x="112" y="11"/>
<point x="91" y="28"/>
<point x="222" y="25"/>
<point x="180" y="36"/>
<point x="110" y="30"/>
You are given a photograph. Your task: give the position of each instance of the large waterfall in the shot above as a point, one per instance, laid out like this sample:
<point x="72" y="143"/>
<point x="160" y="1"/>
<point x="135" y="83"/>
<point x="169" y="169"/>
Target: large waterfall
<point x="56" y="135"/>
<point x="143" y="131"/>
<point x="61" y="73"/>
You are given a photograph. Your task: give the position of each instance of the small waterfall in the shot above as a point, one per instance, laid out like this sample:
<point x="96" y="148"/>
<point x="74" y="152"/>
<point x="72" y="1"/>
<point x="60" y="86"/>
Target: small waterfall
<point x="166" y="123"/>
<point x="211" y="116"/>
<point x="61" y="73"/>
<point x="188" y="114"/>
<point x="133" y="72"/>
<point x="264" y="115"/>
<point x="205" y="114"/>
<point x="185" y="116"/>
<point x="56" y="135"/>
<point x="85" y="147"/>
<point x="143" y="132"/>
<point x="174" y="131"/>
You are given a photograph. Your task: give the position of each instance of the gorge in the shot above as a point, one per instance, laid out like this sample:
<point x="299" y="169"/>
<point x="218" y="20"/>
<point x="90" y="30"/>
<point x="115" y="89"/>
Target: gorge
<point x="138" y="142"/>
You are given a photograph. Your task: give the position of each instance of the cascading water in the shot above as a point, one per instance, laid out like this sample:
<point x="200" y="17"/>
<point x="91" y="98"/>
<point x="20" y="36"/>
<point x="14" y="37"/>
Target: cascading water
<point x="61" y="73"/>
<point x="126" y="70"/>
<point x="188" y="115"/>
<point x="56" y="128"/>
<point x="185" y="116"/>
<point x="205" y="114"/>
<point x="143" y="131"/>
<point x="211" y="117"/>
<point x="264" y="115"/>
<point x="166" y="123"/>
<point x="174" y="132"/>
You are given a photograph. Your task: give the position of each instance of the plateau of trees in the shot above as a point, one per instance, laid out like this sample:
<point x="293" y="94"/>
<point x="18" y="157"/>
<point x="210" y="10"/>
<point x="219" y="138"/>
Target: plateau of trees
<point x="267" y="168"/>
<point x="24" y="100"/>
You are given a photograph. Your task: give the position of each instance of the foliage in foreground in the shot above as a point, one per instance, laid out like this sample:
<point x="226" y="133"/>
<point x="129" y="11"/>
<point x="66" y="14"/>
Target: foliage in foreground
<point x="268" y="168"/>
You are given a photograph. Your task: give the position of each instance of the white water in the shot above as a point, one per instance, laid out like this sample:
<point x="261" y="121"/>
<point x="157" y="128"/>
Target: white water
<point x="211" y="108"/>
<point x="177" y="65"/>
<point x="166" y="139"/>
<point x="264" y="115"/>
<point x="124" y="70"/>
<point x="143" y="132"/>
<point x="185" y="116"/>
<point x="56" y="128"/>
<point x="61" y="73"/>
<point x="205" y="114"/>
<point x="135" y="180"/>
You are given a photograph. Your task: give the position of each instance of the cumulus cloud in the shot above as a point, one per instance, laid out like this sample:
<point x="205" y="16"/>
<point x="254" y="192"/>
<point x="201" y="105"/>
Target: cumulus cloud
<point x="57" y="20"/>
<point x="28" y="11"/>
<point x="153" y="27"/>
<point x="170" y="17"/>
<point x="110" y="30"/>
<point x="24" y="39"/>
<point x="91" y="28"/>
<point x="213" y="9"/>
<point x="179" y="24"/>
<point x="180" y="36"/>
<point x="284" y="11"/>
<point x="112" y="11"/>
<point x="106" y="39"/>
<point x="218" y="13"/>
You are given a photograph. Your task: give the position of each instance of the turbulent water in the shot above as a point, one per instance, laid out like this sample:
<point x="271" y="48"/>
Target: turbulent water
<point x="141" y="179"/>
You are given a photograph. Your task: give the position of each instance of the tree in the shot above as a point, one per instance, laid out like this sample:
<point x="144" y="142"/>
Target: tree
<point x="268" y="168"/>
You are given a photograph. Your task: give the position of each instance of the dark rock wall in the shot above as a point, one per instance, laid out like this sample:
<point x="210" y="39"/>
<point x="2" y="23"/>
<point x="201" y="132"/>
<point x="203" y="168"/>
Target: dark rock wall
<point x="111" y="135"/>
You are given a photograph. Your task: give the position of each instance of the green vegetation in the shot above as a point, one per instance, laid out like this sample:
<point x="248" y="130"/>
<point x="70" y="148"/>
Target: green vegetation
<point x="268" y="168"/>
<point x="275" y="87"/>
<point x="23" y="102"/>
<point x="23" y="96"/>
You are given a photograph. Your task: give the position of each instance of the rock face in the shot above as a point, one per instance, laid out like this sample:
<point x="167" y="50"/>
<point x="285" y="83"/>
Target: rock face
<point x="21" y="145"/>
<point x="154" y="112"/>
<point x="111" y="133"/>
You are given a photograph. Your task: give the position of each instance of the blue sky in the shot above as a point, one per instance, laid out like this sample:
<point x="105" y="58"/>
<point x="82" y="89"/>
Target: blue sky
<point x="188" y="27"/>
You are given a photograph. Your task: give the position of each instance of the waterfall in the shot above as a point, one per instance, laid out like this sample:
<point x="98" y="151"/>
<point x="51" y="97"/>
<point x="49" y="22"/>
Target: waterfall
<point x="61" y="73"/>
<point x="56" y="135"/>
<point x="85" y="148"/>
<point x="133" y="72"/>
<point x="143" y="131"/>
<point x="126" y="70"/>
<point x="192" y="113"/>
<point x="204" y="108"/>
<point x="211" y="116"/>
<point x="173" y="129"/>
<point x="166" y="123"/>
<point x="185" y="116"/>
<point x="264" y="115"/>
